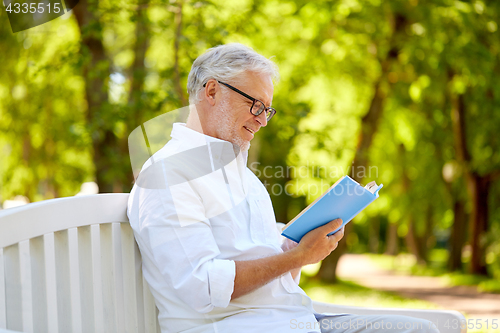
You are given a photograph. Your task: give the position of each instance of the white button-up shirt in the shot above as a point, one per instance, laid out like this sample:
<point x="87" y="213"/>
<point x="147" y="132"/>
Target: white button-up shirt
<point x="195" y="210"/>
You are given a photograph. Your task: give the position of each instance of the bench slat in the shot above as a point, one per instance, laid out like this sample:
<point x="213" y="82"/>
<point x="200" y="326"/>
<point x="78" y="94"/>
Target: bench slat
<point x="3" y="306"/>
<point x="39" y="292"/>
<point x="149" y="308"/>
<point x="129" y="279"/>
<point x="107" y="278"/>
<point x="74" y="281"/>
<point x="86" y="278"/>
<point x="98" y="306"/>
<point x="13" y="294"/>
<point x="139" y="290"/>
<point x="158" y="327"/>
<point x="117" y="262"/>
<point x="26" y="286"/>
<point x="62" y="282"/>
<point x="50" y="282"/>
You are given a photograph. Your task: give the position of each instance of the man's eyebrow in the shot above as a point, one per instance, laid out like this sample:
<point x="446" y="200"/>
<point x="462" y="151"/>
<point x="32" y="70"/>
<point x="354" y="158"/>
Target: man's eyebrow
<point x="263" y="100"/>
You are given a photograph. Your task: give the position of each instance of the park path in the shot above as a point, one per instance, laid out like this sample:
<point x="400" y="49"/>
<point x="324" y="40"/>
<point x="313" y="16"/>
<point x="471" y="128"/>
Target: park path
<point x="360" y="269"/>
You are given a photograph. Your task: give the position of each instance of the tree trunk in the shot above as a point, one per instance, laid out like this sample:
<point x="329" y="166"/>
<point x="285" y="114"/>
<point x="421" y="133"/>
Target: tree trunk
<point x="413" y="242"/>
<point x="392" y="239"/>
<point x="479" y="190"/>
<point x="328" y="270"/>
<point x="412" y="239"/>
<point x="96" y="70"/>
<point x="458" y="235"/>
<point x="178" y="34"/>
<point x="453" y="184"/>
<point x="427" y="240"/>
<point x="138" y="70"/>
<point x="374" y="236"/>
<point x="28" y="191"/>
<point x="136" y="103"/>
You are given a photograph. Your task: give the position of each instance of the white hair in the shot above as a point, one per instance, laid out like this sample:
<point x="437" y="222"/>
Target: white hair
<point x="225" y="63"/>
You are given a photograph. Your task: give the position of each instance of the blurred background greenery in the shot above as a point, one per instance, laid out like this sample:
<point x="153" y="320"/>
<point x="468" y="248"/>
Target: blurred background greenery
<point x="404" y="92"/>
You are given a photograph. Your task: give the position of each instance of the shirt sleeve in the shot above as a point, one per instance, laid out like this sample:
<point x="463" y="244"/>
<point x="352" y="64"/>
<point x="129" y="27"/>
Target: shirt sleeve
<point x="176" y="233"/>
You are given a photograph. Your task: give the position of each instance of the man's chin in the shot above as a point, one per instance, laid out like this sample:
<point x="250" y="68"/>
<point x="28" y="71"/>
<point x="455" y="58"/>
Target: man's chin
<point x="242" y="145"/>
<point x="245" y="146"/>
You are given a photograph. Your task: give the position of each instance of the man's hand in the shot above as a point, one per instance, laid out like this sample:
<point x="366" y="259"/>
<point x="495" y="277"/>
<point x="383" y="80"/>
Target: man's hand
<point x="313" y="247"/>
<point x="316" y="245"/>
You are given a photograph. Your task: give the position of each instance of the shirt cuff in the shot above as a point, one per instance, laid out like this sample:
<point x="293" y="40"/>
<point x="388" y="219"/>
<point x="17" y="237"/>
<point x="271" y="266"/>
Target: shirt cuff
<point x="297" y="278"/>
<point x="221" y="281"/>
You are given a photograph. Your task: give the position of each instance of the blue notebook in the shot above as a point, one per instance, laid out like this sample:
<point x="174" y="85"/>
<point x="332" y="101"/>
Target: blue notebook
<point x="344" y="200"/>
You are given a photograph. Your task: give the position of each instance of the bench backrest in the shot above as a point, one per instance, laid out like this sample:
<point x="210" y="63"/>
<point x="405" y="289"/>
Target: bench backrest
<point x="72" y="265"/>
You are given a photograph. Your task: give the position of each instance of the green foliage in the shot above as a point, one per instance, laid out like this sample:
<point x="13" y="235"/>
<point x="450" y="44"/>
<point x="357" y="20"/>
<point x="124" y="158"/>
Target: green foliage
<point x="406" y="264"/>
<point x="350" y="293"/>
<point x="489" y="286"/>
<point x="45" y="148"/>
<point x="483" y="284"/>
<point x="458" y="279"/>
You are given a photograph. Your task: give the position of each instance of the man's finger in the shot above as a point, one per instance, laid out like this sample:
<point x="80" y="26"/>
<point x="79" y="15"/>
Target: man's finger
<point x="332" y="226"/>
<point x="338" y="235"/>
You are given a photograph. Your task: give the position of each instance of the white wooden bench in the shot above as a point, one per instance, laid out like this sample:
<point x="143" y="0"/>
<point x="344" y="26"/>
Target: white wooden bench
<point x="72" y="265"/>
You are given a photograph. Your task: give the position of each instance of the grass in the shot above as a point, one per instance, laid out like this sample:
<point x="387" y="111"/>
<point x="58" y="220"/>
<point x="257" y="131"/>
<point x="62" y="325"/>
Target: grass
<point x="489" y="286"/>
<point x="349" y="293"/>
<point x="406" y="264"/>
<point x="483" y="284"/>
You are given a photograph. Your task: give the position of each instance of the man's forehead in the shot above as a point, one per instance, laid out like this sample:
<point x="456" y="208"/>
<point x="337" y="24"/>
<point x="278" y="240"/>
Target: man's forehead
<point x="259" y="86"/>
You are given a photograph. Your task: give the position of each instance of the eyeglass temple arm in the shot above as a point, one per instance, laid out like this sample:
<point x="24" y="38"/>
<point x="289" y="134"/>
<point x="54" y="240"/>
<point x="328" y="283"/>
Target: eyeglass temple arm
<point x="235" y="89"/>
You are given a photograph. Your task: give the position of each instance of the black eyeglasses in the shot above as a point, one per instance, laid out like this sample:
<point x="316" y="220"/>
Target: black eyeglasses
<point x="257" y="106"/>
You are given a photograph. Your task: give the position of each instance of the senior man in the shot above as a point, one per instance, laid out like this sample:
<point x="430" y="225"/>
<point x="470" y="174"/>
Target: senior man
<point x="205" y="225"/>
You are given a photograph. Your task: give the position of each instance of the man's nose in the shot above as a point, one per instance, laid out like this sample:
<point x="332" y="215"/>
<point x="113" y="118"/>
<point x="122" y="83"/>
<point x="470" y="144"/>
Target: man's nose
<point x="262" y="118"/>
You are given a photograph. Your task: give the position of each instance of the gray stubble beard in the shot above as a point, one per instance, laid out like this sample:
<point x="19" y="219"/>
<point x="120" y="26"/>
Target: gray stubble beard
<point x="226" y="129"/>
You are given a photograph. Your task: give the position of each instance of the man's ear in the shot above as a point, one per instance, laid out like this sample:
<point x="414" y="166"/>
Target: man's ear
<point x="211" y="89"/>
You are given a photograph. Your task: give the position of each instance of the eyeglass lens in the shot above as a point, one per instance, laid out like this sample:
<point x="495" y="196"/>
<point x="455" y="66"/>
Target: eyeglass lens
<point x="258" y="107"/>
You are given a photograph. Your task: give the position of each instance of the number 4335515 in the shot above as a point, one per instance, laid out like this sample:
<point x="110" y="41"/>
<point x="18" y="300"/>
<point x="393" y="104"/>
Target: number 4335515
<point x="473" y="324"/>
<point x="33" y="8"/>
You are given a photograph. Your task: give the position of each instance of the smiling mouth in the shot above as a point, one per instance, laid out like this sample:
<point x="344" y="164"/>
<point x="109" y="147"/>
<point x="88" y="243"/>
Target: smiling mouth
<point x="249" y="129"/>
